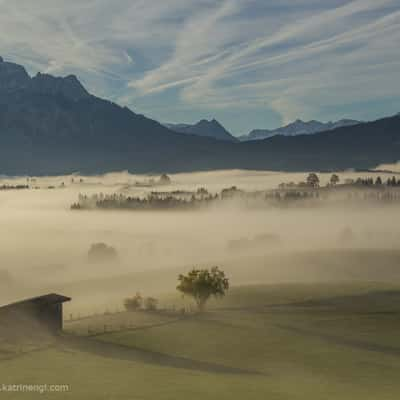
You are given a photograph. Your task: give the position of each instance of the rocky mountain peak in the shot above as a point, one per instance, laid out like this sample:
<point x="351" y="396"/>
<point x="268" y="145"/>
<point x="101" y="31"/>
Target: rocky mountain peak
<point x="14" y="77"/>
<point x="69" y="87"/>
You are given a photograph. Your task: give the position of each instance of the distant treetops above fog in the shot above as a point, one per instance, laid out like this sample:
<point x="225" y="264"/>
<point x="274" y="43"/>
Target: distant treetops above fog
<point x="309" y="191"/>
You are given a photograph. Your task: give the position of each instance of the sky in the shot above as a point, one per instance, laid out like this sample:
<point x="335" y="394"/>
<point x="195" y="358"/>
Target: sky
<point x="248" y="63"/>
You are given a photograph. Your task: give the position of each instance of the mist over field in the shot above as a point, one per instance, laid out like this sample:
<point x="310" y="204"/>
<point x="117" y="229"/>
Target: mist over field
<point x="166" y="231"/>
<point x="45" y="245"/>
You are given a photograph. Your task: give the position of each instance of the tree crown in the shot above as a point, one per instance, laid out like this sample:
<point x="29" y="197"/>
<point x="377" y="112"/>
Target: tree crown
<point x="201" y="284"/>
<point x="313" y="180"/>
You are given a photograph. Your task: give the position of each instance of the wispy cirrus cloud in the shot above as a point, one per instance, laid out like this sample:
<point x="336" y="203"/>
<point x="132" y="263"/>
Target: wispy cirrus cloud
<point x="273" y="61"/>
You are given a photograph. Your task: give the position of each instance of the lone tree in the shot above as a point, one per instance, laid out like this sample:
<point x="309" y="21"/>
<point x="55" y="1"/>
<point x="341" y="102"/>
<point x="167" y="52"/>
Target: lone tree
<point x="334" y="179"/>
<point x="201" y="284"/>
<point x="313" y="180"/>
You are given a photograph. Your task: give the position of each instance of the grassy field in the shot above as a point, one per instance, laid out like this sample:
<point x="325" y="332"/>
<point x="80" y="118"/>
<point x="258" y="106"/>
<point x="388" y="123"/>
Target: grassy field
<point x="337" y="341"/>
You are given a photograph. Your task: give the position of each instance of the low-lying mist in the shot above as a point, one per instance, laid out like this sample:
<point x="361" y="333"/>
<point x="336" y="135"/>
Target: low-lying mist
<point x="44" y="245"/>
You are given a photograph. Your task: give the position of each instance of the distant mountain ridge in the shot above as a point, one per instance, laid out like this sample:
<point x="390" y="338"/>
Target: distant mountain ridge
<point x="204" y="128"/>
<point x="52" y="126"/>
<point x="298" y="127"/>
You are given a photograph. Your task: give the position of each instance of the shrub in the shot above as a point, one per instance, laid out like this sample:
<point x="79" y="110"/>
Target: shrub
<point x="150" y="303"/>
<point x="100" y="252"/>
<point x="133" y="303"/>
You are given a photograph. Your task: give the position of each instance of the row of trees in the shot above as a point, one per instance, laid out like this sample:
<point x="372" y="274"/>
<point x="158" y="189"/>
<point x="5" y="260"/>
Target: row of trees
<point x="13" y="187"/>
<point x="378" y="181"/>
<point x="291" y="195"/>
<point x="154" y="201"/>
<point x="313" y="181"/>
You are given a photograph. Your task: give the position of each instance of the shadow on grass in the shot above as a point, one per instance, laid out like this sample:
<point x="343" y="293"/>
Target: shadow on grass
<point x="129" y="353"/>
<point x="357" y="344"/>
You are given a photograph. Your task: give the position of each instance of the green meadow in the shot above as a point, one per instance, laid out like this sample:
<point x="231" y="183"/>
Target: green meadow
<point x="300" y="341"/>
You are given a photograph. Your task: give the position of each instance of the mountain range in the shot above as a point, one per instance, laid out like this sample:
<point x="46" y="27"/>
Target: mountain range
<point x="51" y="125"/>
<point x="298" y="127"/>
<point x="215" y="129"/>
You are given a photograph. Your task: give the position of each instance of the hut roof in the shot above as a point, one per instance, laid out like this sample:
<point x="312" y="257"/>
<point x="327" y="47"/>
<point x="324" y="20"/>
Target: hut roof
<point x="51" y="298"/>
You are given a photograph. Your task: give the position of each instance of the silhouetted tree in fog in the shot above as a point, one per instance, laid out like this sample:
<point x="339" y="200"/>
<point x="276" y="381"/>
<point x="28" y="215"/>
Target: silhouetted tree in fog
<point x="313" y="180"/>
<point x="334" y="179"/>
<point x="202" y="284"/>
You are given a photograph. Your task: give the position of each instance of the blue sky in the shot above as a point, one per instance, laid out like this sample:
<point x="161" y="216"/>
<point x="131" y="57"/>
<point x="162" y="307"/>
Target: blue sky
<point x="248" y="63"/>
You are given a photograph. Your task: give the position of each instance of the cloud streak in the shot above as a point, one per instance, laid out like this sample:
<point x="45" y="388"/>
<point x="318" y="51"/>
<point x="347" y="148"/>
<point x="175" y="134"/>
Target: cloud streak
<point x="293" y="59"/>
